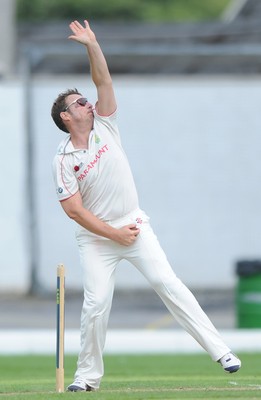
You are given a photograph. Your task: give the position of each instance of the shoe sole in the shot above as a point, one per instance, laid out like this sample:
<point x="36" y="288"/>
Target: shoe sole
<point x="75" y="389"/>
<point x="230" y="370"/>
<point x="72" y="388"/>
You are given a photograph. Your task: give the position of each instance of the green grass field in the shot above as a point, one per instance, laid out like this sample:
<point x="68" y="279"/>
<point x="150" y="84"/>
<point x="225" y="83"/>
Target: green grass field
<point x="134" y="377"/>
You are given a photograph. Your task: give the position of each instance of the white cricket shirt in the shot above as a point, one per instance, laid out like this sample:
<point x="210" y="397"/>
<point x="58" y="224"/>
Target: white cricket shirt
<point x="101" y="173"/>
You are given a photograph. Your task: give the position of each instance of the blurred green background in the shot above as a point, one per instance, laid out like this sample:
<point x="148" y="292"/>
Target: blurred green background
<point x="121" y="10"/>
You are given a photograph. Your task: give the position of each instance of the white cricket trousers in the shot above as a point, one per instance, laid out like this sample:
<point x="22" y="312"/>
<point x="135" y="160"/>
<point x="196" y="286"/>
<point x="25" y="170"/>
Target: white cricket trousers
<point x="99" y="258"/>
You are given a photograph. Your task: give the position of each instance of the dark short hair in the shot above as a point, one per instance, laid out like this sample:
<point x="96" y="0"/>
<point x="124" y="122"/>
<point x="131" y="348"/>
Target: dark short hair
<point x="59" y="105"/>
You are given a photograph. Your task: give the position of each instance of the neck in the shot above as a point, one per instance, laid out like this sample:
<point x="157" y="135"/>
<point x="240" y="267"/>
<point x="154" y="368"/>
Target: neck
<point x="80" y="137"/>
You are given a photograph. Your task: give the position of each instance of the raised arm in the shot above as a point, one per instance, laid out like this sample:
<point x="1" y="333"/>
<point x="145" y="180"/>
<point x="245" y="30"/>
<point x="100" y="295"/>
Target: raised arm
<point x="99" y="68"/>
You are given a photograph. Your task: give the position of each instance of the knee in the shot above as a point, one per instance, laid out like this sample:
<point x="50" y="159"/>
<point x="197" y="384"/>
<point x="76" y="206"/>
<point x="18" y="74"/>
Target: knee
<point x="97" y="304"/>
<point x="171" y="285"/>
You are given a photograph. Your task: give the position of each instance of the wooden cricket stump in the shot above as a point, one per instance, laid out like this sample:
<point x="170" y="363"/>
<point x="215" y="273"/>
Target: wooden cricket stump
<point x="60" y="329"/>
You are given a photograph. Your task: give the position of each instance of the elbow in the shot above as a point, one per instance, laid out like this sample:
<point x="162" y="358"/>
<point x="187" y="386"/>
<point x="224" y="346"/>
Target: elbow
<point x="105" y="82"/>
<point x="72" y="214"/>
<point x="109" y="81"/>
<point x="73" y="208"/>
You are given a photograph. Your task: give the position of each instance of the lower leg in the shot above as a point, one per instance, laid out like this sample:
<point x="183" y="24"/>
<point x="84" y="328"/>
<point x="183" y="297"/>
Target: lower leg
<point x="93" y="333"/>
<point x="186" y="310"/>
<point x="99" y="263"/>
<point x="151" y="261"/>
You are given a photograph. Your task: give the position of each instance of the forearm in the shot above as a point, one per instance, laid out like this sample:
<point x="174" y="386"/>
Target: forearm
<point x="73" y="207"/>
<point x="99" y="68"/>
<point x="93" y="224"/>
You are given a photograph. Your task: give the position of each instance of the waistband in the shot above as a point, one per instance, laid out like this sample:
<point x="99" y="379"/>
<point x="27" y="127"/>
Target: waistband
<point x="126" y="219"/>
<point x="136" y="216"/>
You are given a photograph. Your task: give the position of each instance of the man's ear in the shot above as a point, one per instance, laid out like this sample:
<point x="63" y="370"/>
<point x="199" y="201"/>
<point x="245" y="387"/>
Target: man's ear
<point x="64" y="115"/>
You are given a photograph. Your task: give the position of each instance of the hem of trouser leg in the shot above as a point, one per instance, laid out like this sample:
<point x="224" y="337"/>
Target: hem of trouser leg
<point x="219" y="358"/>
<point x="92" y="385"/>
<point x="93" y="388"/>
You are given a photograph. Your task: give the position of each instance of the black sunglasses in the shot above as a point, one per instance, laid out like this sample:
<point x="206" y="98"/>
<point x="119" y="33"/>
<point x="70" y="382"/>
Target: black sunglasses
<point x="81" y="101"/>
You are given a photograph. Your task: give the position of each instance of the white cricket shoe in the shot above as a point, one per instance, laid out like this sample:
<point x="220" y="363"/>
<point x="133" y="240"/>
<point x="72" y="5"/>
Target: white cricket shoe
<point x="79" y="386"/>
<point x="230" y="362"/>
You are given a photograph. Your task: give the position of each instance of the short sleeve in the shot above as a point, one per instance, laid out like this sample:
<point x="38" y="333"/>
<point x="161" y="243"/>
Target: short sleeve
<point x="65" y="181"/>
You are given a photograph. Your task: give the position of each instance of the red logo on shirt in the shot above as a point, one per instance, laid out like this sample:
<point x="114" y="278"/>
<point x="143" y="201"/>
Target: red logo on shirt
<point x="92" y="164"/>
